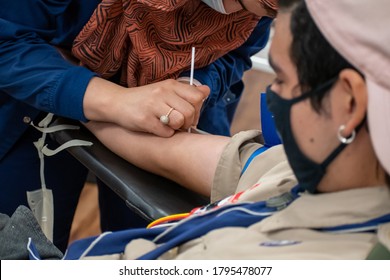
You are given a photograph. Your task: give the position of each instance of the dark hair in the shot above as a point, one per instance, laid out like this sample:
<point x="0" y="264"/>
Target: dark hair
<point x="316" y="60"/>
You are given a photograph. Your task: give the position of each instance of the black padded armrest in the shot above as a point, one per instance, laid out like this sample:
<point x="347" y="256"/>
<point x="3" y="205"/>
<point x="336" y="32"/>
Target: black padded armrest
<point x="147" y="194"/>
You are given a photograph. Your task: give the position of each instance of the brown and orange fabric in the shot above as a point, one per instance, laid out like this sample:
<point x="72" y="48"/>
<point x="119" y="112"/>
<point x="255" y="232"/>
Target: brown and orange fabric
<point x="151" y="40"/>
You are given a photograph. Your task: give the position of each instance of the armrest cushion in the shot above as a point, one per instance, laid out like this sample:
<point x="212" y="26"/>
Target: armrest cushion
<point x="147" y="194"/>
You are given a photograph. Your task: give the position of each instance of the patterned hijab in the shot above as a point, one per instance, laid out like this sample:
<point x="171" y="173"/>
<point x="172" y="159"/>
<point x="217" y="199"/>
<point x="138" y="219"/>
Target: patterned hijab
<point x="150" y="40"/>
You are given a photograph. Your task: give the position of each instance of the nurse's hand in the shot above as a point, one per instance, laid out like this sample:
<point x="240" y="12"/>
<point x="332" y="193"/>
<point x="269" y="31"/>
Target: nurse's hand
<point x="140" y="108"/>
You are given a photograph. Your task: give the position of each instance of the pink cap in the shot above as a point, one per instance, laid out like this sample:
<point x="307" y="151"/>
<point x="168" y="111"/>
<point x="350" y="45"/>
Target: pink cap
<point x="359" y="31"/>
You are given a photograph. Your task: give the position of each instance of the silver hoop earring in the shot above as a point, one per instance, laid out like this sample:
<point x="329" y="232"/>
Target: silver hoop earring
<point x="343" y="139"/>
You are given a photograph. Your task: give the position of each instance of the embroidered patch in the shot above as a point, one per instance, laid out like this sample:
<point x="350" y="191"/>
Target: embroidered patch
<point x="278" y="243"/>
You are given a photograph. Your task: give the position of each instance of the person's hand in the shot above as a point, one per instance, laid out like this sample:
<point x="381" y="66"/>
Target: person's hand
<point x="140" y="109"/>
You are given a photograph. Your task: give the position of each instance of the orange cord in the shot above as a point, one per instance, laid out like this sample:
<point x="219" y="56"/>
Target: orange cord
<point x="168" y="219"/>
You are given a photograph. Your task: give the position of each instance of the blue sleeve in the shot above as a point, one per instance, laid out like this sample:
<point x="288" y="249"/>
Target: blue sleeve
<point x="32" y="70"/>
<point x="228" y="70"/>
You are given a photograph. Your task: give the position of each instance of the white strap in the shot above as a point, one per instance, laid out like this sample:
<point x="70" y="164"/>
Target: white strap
<point x="46" y="121"/>
<point x="72" y="143"/>
<point x="45" y="212"/>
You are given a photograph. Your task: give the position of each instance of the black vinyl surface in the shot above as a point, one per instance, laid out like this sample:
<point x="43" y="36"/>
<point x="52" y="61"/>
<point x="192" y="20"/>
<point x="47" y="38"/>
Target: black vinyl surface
<point x="147" y="194"/>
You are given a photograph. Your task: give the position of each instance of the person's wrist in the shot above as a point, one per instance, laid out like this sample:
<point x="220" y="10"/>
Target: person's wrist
<point x="99" y="100"/>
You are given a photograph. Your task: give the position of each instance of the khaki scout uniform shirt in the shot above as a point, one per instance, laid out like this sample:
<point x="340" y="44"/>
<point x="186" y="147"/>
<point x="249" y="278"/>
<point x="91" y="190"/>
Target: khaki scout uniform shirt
<point x="292" y="233"/>
<point x="268" y="174"/>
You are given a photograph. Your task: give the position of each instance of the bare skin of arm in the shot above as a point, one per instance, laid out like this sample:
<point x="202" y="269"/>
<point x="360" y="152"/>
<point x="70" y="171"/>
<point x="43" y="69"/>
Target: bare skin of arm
<point x="187" y="158"/>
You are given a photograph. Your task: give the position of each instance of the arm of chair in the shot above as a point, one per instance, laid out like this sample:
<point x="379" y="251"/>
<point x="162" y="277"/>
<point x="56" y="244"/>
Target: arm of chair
<point x="147" y="194"/>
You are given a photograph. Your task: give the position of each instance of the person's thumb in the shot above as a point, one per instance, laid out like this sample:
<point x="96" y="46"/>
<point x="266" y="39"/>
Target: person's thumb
<point x="205" y="90"/>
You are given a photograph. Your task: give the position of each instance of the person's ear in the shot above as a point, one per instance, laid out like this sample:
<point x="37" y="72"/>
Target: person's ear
<point x="355" y="101"/>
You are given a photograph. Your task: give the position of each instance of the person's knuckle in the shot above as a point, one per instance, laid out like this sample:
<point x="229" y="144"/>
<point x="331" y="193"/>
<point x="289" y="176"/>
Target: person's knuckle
<point x="180" y="120"/>
<point x="142" y="119"/>
<point x="189" y="112"/>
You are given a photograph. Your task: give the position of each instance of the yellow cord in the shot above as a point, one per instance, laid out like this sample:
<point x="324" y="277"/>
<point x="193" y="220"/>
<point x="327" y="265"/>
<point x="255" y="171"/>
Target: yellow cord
<point x="168" y="219"/>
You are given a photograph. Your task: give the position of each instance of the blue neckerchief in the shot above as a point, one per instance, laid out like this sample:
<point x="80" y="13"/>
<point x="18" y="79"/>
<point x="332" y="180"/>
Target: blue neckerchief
<point x="241" y="215"/>
<point x="237" y="215"/>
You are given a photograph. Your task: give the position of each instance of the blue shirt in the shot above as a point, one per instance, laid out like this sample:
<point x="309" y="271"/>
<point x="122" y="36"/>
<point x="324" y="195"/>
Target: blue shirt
<point x="34" y="77"/>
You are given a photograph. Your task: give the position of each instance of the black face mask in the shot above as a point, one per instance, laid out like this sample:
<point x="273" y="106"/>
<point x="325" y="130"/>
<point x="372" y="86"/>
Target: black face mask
<point x="308" y="173"/>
